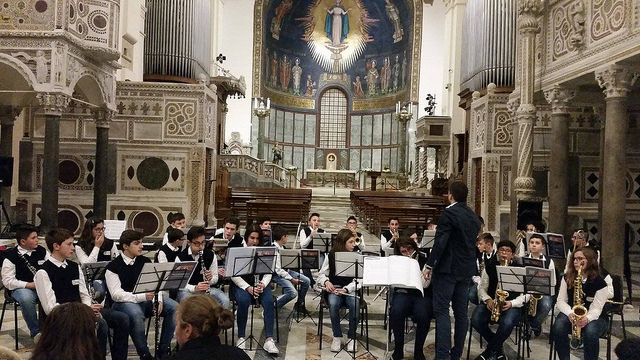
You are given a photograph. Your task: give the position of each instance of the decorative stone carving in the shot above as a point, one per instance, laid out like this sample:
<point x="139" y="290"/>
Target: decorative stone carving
<point x="559" y="98"/>
<point x="59" y="64"/>
<point x="527" y="11"/>
<point x="616" y="80"/>
<point x="53" y="103"/>
<point x="103" y="117"/>
<point x="503" y="132"/>
<point x="577" y="16"/>
<point x="443" y="158"/>
<point x="8" y="114"/>
<point x="180" y="118"/>
<point x="607" y="17"/>
<point x="41" y="64"/>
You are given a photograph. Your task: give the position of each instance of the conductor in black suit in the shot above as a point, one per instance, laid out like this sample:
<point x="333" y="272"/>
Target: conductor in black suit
<point x="452" y="263"/>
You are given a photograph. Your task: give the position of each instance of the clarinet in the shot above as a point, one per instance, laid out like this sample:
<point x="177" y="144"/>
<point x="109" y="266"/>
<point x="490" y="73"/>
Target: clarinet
<point x="92" y="291"/>
<point x="156" y="319"/>
<point x="31" y="268"/>
<point x="203" y="270"/>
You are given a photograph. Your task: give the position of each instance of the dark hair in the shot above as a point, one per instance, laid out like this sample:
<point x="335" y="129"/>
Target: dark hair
<point x="352" y="218"/>
<point x="174" y="235"/>
<point x="23" y="232"/>
<point x="86" y="239"/>
<point x="508" y="244"/>
<point x="263" y="219"/>
<point x="177" y="217"/>
<point x="68" y="333"/>
<point x="340" y="243"/>
<point x="129" y="236"/>
<point x="459" y="191"/>
<point x="538" y="236"/>
<point x="628" y="349"/>
<point x="195" y="232"/>
<point x="57" y="236"/>
<point x="204" y="314"/>
<point x="392" y="218"/>
<point x="591" y="270"/>
<point x="486" y="237"/>
<point x="406" y="243"/>
<point x="277" y="233"/>
<point x="232" y="220"/>
<point x="312" y="215"/>
<point x="481" y="220"/>
<point x="255" y="229"/>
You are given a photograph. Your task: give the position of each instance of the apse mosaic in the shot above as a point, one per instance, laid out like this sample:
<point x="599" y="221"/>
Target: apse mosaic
<point x="363" y="45"/>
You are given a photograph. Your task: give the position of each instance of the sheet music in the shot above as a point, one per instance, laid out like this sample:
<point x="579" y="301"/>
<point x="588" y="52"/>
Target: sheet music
<point x="176" y="276"/>
<point x="541" y="281"/>
<point x="345" y="264"/>
<point x="239" y="261"/>
<point x="266" y="262"/>
<point x="428" y="238"/>
<point x="394" y="270"/>
<point x="114" y="228"/>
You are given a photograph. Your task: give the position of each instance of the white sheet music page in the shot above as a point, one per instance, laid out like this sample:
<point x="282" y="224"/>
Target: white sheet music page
<point x="114" y="228"/>
<point x="394" y="270"/>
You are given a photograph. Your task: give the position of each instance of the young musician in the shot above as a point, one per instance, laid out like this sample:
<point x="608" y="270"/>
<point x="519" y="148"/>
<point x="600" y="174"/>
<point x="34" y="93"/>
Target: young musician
<point x="595" y="294"/>
<point x="196" y="242"/>
<point x="60" y="281"/>
<point x="352" y="224"/>
<point x="245" y="290"/>
<point x="510" y="314"/>
<point x="485" y="252"/>
<point x="410" y="302"/>
<point x="171" y="250"/>
<point x="306" y="239"/>
<point x="199" y="320"/>
<point x="178" y="221"/>
<point x="230" y="232"/>
<point x="530" y="227"/>
<point x="121" y="275"/>
<point x="537" y="244"/>
<point x="265" y="225"/>
<point x="580" y="240"/>
<point x="288" y="280"/>
<point x="93" y="246"/>
<point x="18" y="268"/>
<point x="341" y="291"/>
<point x="389" y="237"/>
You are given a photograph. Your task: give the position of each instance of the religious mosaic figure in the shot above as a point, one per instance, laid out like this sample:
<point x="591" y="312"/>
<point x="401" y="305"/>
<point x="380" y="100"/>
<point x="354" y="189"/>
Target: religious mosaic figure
<point x="336" y="24"/>
<point x="276" y="23"/>
<point x="296" y="74"/>
<point x="372" y="79"/>
<point x="274" y="70"/>
<point x="357" y="88"/>
<point x="277" y="154"/>
<point x="395" y="73"/>
<point x="394" y="17"/>
<point x="285" y="73"/>
<point x="311" y="87"/>
<point x="385" y="76"/>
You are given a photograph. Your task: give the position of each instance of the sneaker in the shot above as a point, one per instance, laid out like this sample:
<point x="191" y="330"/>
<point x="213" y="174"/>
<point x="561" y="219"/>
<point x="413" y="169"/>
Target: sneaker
<point x="270" y="347"/>
<point x="537" y="330"/>
<point x="36" y="338"/>
<point x="502" y="357"/>
<point x="336" y="344"/>
<point x="483" y="356"/>
<point x="352" y="346"/>
<point x="241" y="343"/>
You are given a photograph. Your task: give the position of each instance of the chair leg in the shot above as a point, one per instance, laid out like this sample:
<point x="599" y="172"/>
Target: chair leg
<point x="275" y="307"/>
<point x="320" y="314"/>
<point x="624" y="330"/>
<point x="4" y="307"/>
<point x="15" y="322"/>
<point x="469" y="343"/>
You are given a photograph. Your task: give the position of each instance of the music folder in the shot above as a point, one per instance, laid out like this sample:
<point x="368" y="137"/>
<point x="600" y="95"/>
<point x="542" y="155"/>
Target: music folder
<point x="428" y="238"/>
<point x="394" y="270"/>
<point x="555" y="246"/>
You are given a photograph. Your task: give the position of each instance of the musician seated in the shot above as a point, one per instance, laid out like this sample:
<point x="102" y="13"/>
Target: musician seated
<point x="288" y="279"/>
<point x="530" y="227"/>
<point x="245" y="290"/>
<point x="593" y="296"/>
<point x="93" y="246"/>
<point x="264" y="222"/>
<point x="341" y="291"/>
<point x="580" y="240"/>
<point x="230" y="232"/>
<point x="536" y="246"/>
<point x="177" y="221"/>
<point x="61" y="281"/>
<point x="509" y="312"/>
<point x="388" y="237"/>
<point x="198" y="283"/>
<point x="410" y="302"/>
<point x="121" y="276"/>
<point x="352" y="224"/>
<point x="18" y="268"/>
<point x="484" y="245"/>
<point x="306" y="239"/>
<point x="170" y="251"/>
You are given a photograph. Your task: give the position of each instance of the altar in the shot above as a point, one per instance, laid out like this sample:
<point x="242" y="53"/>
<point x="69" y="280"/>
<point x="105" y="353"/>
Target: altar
<point x="322" y="177"/>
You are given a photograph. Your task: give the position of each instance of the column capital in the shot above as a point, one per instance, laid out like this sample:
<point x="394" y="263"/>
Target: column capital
<point x="559" y="97"/>
<point x="103" y="117"/>
<point x="513" y="105"/>
<point x="8" y="114"/>
<point x="53" y="103"/>
<point x="616" y="80"/>
<point x="526" y="112"/>
<point x="528" y="11"/>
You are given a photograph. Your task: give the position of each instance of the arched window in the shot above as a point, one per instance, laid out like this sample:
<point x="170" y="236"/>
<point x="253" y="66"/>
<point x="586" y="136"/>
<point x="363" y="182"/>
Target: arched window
<point x="333" y="120"/>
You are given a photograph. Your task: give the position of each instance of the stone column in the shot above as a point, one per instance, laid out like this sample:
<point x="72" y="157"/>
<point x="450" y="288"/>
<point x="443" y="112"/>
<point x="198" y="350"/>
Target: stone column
<point x="424" y="162"/>
<point x="513" y="105"/>
<point x="102" y="118"/>
<point x="617" y="81"/>
<point x="52" y="106"/>
<point x="416" y="167"/>
<point x="559" y="99"/>
<point x="8" y="115"/>
<point x="402" y="153"/>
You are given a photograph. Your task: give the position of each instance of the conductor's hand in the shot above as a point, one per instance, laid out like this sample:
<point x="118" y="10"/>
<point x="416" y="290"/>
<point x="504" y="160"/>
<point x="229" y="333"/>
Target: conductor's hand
<point x="490" y="304"/>
<point x="202" y="286"/>
<point x="221" y="272"/>
<point x="99" y="240"/>
<point x="149" y="296"/>
<point x="329" y="286"/>
<point x="507" y="305"/>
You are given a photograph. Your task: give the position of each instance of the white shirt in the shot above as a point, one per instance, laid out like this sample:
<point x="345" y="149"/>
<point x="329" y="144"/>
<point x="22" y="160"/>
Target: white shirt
<point x="213" y="268"/>
<point x="607" y="278"/>
<point x="9" y="271"/>
<point x="304" y="239"/>
<point x="83" y="258"/>
<point x="387" y="246"/>
<point x="323" y="276"/>
<point x="595" y="309"/>
<point x="483" y="294"/>
<point x="162" y="256"/>
<point x="115" y="286"/>
<point x="239" y="282"/>
<point x="279" y="270"/>
<point x="44" y="287"/>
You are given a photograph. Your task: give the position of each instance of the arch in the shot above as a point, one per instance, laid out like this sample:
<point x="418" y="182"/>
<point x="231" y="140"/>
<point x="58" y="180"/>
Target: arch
<point x="90" y="87"/>
<point x="16" y="76"/>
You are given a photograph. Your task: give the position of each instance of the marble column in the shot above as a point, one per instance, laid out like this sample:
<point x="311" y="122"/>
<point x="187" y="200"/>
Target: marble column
<point x="416" y="167"/>
<point x="102" y="118"/>
<point x="8" y="115"/>
<point x="617" y="81"/>
<point x="424" y="162"/>
<point x="512" y="105"/>
<point x="52" y="106"/>
<point x="559" y="98"/>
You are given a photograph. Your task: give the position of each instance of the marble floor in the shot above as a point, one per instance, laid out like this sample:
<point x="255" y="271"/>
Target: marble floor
<point x="299" y="340"/>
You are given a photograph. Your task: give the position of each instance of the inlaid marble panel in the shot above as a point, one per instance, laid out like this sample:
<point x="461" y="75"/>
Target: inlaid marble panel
<point x="386" y="158"/>
<point x="147" y="131"/>
<point x="309" y="158"/>
<point x="68" y="129"/>
<point x="376" y="159"/>
<point x="288" y="127"/>
<point x="271" y="124"/>
<point x="356" y="130"/>
<point x="377" y="129"/>
<point x="310" y="130"/>
<point x="394" y="130"/>
<point x="386" y="129"/>
<point x="298" y="129"/>
<point x="367" y="127"/>
<point x="287" y="157"/>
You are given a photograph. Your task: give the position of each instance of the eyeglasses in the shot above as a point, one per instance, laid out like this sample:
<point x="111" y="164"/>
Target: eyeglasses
<point x="579" y="258"/>
<point x="505" y="251"/>
<point x="198" y="244"/>
<point x="100" y="229"/>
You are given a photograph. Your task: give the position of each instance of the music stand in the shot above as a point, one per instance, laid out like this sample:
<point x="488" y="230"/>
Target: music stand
<point x="156" y="277"/>
<point x="298" y="259"/>
<point x="322" y="242"/>
<point x="92" y="272"/>
<point x="351" y="264"/>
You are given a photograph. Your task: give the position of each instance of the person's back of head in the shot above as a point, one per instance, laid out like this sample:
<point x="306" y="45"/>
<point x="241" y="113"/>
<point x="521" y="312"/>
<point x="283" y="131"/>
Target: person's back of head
<point x="204" y="314"/>
<point x="628" y="349"/>
<point x="277" y="233"/>
<point x="458" y="191"/>
<point x="174" y="235"/>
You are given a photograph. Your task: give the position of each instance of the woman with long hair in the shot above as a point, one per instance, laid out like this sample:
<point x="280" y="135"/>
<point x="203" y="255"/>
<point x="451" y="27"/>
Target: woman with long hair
<point x="594" y="297"/>
<point x="199" y="320"/>
<point x="341" y="291"/>
<point x="69" y="332"/>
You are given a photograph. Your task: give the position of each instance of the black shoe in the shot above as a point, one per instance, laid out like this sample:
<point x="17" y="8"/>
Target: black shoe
<point x="483" y="356"/>
<point x="501" y="356"/>
<point x="537" y="330"/>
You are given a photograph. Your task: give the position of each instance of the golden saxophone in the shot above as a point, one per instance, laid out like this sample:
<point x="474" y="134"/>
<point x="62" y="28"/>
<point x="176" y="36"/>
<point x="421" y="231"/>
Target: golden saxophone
<point x="579" y="311"/>
<point x="499" y="299"/>
<point x="533" y="305"/>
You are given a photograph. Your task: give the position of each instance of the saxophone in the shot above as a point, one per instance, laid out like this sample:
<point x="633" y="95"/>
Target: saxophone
<point x="533" y="305"/>
<point x="579" y="311"/>
<point x="499" y="299"/>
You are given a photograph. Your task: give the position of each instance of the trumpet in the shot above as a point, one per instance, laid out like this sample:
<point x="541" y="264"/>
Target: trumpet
<point x="499" y="299"/>
<point x="358" y="239"/>
<point x="579" y="311"/>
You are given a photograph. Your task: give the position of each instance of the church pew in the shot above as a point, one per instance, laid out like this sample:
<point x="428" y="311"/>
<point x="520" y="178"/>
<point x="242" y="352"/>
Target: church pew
<point x="240" y="196"/>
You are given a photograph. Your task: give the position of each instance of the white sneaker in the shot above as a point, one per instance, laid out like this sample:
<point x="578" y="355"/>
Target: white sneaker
<point x="336" y="344"/>
<point x="352" y="346"/>
<point x="36" y="338"/>
<point x="241" y="343"/>
<point x="270" y="347"/>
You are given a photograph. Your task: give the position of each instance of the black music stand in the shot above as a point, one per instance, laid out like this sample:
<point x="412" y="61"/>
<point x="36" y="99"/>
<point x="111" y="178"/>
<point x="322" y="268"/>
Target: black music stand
<point x="298" y="259"/>
<point x="322" y="242"/>
<point x="158" y="277"/>
<point x="351" y="264"/>
<point x="92" y="272"/>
